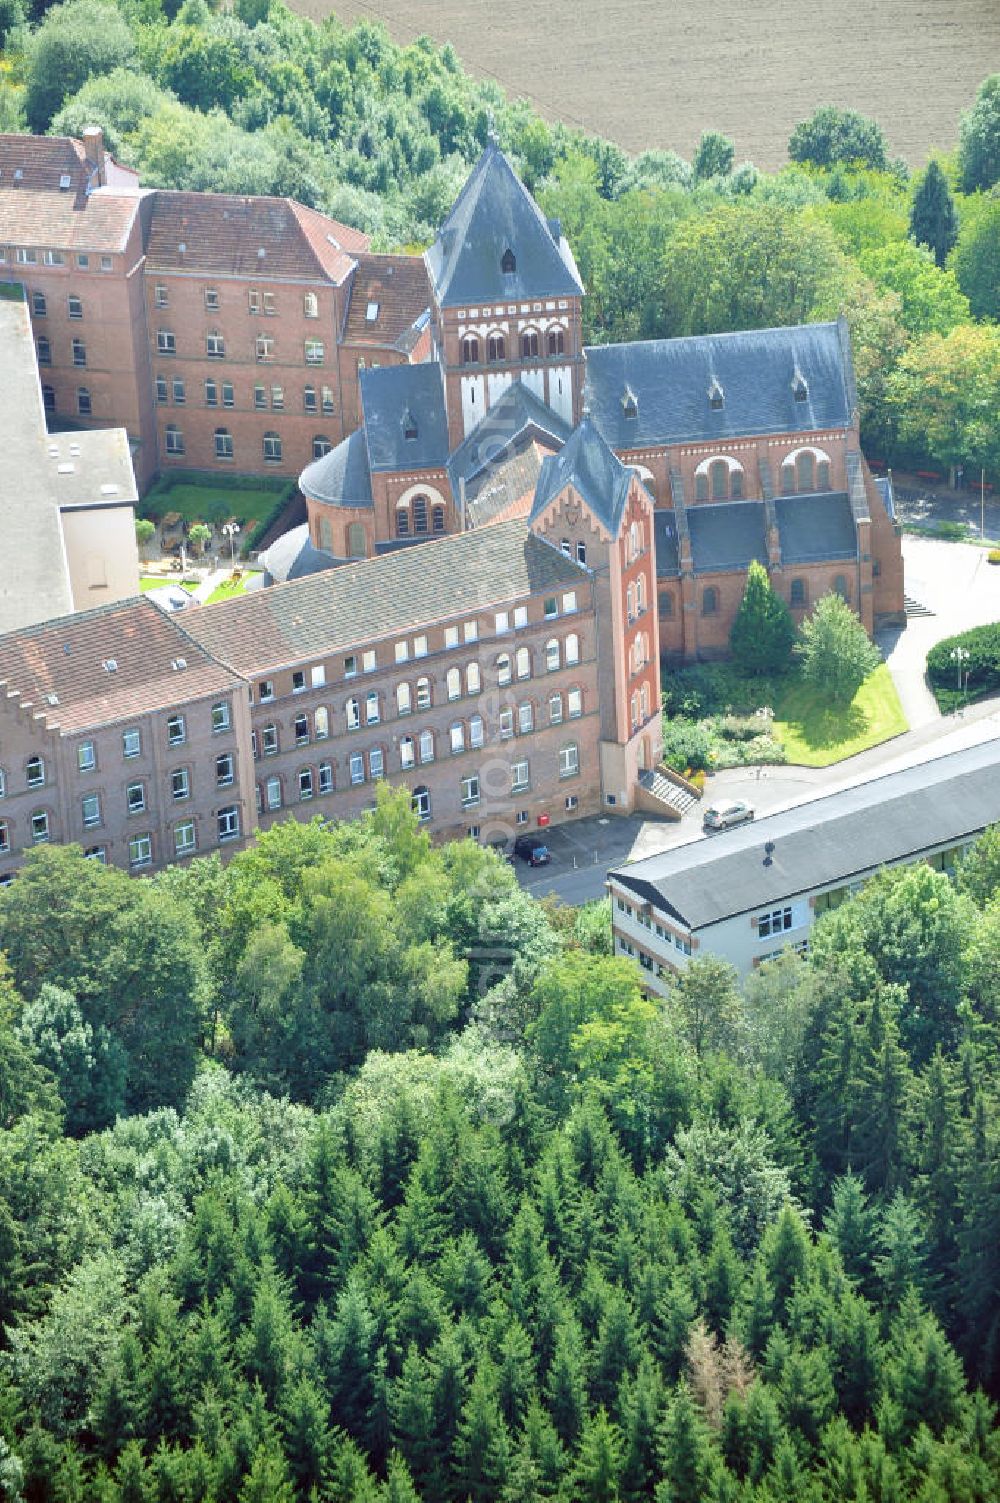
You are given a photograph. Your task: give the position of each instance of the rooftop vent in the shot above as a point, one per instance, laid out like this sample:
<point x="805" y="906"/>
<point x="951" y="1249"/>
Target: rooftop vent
<point x="110" y="490"/>
<point x="409" y="424"/>
<point x="768" y="852"/>
<point x="177" y="664"/>
<point x="371" y="312"/>
<point x="508" y="262"/>
<point x="66" y="468"/>
<point x="74" y="448"/>
<point x="111" y="665"/>
<point x="52" y="699"/>
<point x="334" y="242"/>
<point x="800" y="386"/>
<point x="630" y="403"/>
<point x="716" y="396"/>
<point x="65" y="181"/>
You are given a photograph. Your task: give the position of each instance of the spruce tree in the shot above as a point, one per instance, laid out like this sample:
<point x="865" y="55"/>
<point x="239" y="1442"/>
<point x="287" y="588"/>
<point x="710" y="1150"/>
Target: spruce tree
<point x="933" y="221"/>
<point x="763" y="631"/>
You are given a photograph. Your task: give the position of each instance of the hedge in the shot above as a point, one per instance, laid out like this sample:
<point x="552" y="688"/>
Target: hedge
<point x="982" y="665"/>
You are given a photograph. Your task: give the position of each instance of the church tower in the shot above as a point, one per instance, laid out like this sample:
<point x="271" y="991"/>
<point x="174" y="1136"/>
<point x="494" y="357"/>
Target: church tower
<point x="506" y="300"/>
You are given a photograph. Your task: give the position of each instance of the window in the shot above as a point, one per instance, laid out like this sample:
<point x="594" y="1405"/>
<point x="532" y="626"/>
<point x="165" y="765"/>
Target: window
<point x="806" y="467"/>
<point x="270" y="308"/>
<point x="352" y="714"/>
<point x="450" y="637"/>
<point x="272" y="793"/>
<point x="35" y="772"/>
<point x="522" y="663"/>
<point x="476" y="730"/>
<point x="437" y="519"/>
<point x="503" y="669"/>
<point x="91" y="808"/>
<point x="376" y="763"/>
<point x="454" y="683"/>
<point x="473" y="679"/>
<point x="131" y="743"/>
<point x="135" y="798"/>
<point x="525" y="718"/>
<point x="508" y="262"/>
<point x="423" y="693"/>
<point x="519" y="776"/>
<point x="407" y="752"/>
<point x="140" y="850"/>
<point x="211" y="394"/>
<point x="107" y="263"/>
<point x="529" y="344"/>
<point x="402" y="520"/>
<point x="501" y="622"/>
<point x="56" y="258"/>
<point x="228" y="823"/>
<point x="74" y="306"/>
<point x="403" y="699"/>
<point x="224" y="770"/>
<point x="3" y="783"/>
<point x="278" y="398"/>
<point x="840" y="587"/>
<point x="228" y="398"/>
<point x="666" y="603"/>
<point x="419" y="508"/>
<point x="496" y="347"/>
<point x="357" y="765"/>
<point x="4" y="837"/>
<point x="630" y="603"/>
<point x="269" y="740"/>
<point x="178" y="390"/>
<point x="351" y="665"/>
<point x="506" y="724"/>
<point x="223" y="443"/>
<point x="327" y="400"/>
<point x="421" y="802"/>
<point x="26" y="256"/>
<point x="420" y="647"/>
<point x="776" y="922"/>
<point x="184" y="841"/>
<point x="572" y="803"/>
<point x="49" y="398"/>
<point x="39" y="827"/>
<point x="798" y="592"/>
<point x="555" y="709"/>
<point x="470" y="631"/>
<point x="325" y="777"/>
<point x="305" y="784"/>
<point x="160" y="298"/>
<point x="470" y="350"/>
<point x="265" y="691"/>
<point x="180" y="783"/>
<point x="86" y="759"/>
<point x="166" y="344"/>
<point x="220" y="717"/>
<point x="310" y="305"/>
<point x="173" y="439"/>
<point x="520" y="617"/>
<point x="457" y="737"/>
<point x="373" y="712"/>
<point x="176" y="730"/>
<point x="314" y="352"/>
<point x="84" y="405"/>
<point x="569" y="760"/>
<point x="552" y="656"/>
<point x="823" y="475"/>
<point x="79" y="352"/>
<point x="211" y="299"/>
<point x="322" y="445"/>
<point x="38" y="306"/>
<point x="709" y="601"/>
<point x="550" y="608"/>
<point x="581" y="553"/>
<point x="569" y="603"/>
<point x="272" y="448"/>
<point x="260" y="396"/>
<point x="44" y="350"/>
<point x="572" y="649"/>
<point x="555" y="342"/>
<point x="470" y="791"/>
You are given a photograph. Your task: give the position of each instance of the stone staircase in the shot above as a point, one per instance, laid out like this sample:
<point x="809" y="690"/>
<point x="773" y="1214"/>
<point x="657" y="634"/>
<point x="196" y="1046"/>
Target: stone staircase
<point x="914" y="608"/>
<point x="658" y="795"/>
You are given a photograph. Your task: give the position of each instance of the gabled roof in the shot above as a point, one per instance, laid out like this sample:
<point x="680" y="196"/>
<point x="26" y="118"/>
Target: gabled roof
<point x="342" y="477"/>
<point x="813" y="528"/>
<point x="671" y="379"/>
<point x="391" y="397"/>
<point x="727" y="535"/>
<point x="224" y="233"/>
<point x="66" y="222"/>
<point x="388" y="300"/>
<point x="365" y="600"/>
<point x="495" y="214"/>
<point x="43" y="162"/>
<point x="506" y="487"/>
<point x="59" y="665"/>
<point x="598" y="476"/>
<point x="515" y="413"/>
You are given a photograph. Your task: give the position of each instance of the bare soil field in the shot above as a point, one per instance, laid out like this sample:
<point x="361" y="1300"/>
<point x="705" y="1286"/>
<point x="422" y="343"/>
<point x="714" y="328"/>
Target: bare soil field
<point x="658" y="74"/>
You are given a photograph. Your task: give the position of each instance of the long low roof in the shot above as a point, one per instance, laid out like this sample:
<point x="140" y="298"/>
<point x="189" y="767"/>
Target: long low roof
<point x="827" y="841"/>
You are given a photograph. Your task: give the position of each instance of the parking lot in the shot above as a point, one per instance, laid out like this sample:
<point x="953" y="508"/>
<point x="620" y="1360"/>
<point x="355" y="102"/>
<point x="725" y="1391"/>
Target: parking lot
<point x="583" y="851"/>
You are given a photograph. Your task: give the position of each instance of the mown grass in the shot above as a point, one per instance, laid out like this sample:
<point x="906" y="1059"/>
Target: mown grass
<point x="816" y="734"/>
<point x="210" y="503"/>
<point x="227" y="590"/>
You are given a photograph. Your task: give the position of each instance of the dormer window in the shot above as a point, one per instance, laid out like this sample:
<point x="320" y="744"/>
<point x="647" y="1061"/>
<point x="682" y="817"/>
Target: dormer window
<point x="716" y="397"/>
<point x="508" y="262"/>
<point x="409" y="424"/>
<point x="630" y="403"/>
<point x="800" y="387"/>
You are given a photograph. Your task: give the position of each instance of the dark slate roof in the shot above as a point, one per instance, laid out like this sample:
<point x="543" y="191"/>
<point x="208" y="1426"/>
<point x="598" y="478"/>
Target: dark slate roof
<point x="514" y="413"/>
<point x="293" y="556"/>
<point x="388" y="396"/>
<point x="670" y="380"/>
<point x="812" y="528"/>
<point x="366" y="599"/>
<point x="506" y="487"/>
<point x="494" y="213"/>
<point x="597" y="475"/>
<point x="828" y="841"/>
<point x="884" y="487"/>
<point x="727" y="535"/>
<point x="342" y="477"/>
<point x="665" y="536"/>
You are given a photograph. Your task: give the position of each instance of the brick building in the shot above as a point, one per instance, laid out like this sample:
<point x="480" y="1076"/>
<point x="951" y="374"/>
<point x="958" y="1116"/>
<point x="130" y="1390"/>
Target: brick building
<point x="507" y="676"/>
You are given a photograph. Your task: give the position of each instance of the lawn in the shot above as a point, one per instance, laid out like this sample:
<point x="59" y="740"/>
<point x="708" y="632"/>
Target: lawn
<point x="814" y="735"/>
<point x="228" y="589"/>
<point x="160" y="581"/>
<point x="212" y="503"/>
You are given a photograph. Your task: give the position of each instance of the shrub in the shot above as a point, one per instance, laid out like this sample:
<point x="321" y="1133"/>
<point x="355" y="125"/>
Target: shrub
<point x="686" y="745"/>
<point x="737" y="727"/>
<point x="836" y="653"/>
<point x="714" y="689"/>
<point x="982" y="665"/>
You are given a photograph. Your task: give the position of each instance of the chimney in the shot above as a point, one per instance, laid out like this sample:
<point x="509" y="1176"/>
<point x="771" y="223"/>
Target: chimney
<point x="93" y="145"/>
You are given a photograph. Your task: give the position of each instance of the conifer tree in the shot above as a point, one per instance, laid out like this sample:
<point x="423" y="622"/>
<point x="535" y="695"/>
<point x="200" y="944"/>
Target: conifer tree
<point x="763" y="632"/>
<point x="599" y="1463"/>
<point x="933" y="221"/>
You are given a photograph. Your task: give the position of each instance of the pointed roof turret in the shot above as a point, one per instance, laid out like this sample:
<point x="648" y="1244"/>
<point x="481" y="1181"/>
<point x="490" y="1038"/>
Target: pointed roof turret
<point x="497" y="244"/>
<point x="597" y="475"/>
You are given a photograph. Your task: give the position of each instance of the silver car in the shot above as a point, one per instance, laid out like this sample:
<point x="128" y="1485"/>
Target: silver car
<point x="727" y="812"/>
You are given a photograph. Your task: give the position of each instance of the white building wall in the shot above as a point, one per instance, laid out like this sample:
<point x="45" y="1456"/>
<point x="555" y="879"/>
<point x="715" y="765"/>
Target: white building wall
<point x="473" y="402"/>
<point x="561" y="391"/>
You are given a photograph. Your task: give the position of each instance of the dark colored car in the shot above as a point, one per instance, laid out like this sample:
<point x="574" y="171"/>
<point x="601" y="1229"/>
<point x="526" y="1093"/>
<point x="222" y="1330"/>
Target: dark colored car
<point x="532" y="850"/>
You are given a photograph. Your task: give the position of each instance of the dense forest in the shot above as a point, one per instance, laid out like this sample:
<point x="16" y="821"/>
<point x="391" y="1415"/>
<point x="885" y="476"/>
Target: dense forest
<point x="349" y="1172"/>
<point x="256" y="99"/>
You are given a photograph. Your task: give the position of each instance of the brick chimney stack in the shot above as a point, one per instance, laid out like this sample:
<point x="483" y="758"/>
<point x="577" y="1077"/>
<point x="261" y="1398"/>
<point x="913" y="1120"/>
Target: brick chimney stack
<point x="93" y="145"/>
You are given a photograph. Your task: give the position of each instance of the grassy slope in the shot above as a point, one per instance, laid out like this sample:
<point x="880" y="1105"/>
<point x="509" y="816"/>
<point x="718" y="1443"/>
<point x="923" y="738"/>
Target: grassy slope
<point x="815" y="735"/>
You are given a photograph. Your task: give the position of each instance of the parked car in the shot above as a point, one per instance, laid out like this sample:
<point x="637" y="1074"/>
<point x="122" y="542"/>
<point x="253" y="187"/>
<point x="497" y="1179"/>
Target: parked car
<point x="532" y="850"/>
<point x="727" y="812"/>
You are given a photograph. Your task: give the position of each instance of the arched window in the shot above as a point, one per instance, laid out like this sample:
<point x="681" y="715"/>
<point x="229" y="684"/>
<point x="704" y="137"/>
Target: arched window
<point x="44" y="349"/>
<point x="321" y="445"/>
<point x="407" y="752"/>
<point x="456" y="737"/>
<point x="223" y="443"/>
<point x="454" y="683"/>
<point x="840" y="587"/>
<point x="473" y="679"/>
<point x="640" y="595"/>
<point x="49" y="398"/>
<point x="300" y="726"/>
<point x="503" y="668"/>
<point x="552" y="655"/>
<point x="709" y="601"/>
<point x="630" y="603"/>
<point x="572" y="649"/>
<point x="419" y="508"/>
<point x="798" y="592"/>
<point x="476" y="730"/>
<point x="4" y="837"/>
<point x="321" y="722"/>
<point x="634" y="710"/>
<point x="644" y="701"/>
<point x="633" y="542"/>
<point x="437" y="519"/>
<point x="310" y="305"/>
<point x="403" y="703"/>
<point x="470" y="350"/>
<point x="496" y="348"/>
<point x="701" y="486"/>
<point x="508" y="262"/>
<point x="421" y="803"/>
<point x="309" y="401"/>
<point x="823" y="475"/>
<point x="326" y="534"/>
<point x="35" y="772"/>
<point x="427" y="746"/>
<point x="806" y="467"/>
<point x="402" y="520"/>
<point x="357" y="542"/>
<point x="736" y="485"/>
<point x="522" y="663"/>
<point x="372" y="712"/>
<point x="555" y="342"/>
<point x="352" y="714"/>
<point x="718" y="472"/>
<point x="423" y="693"/>
<point x="529" y="344"/>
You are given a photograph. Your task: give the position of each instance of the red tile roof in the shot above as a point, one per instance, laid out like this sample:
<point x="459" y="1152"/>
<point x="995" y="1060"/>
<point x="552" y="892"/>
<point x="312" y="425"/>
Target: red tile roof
<point x="224" y="233"/>
<point x="42" y="161"/>
<point x="99" y="223"/>
<point x="398" y="287"/>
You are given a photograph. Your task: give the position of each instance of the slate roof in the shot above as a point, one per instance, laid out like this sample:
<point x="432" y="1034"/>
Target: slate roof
<point x="293" y="556"/>
<point x="826" y="842"/>
<point x="671" y="378"/>
<point x="66" y="657"/>
<point x="388" y="396"/>
<point x="813" y="528"/>
<point x="597" y="475"/>
<point x="398" y="287"/>
<point x="342" y="477"/>
<point x="364" y="600"/>
<point x="506" y="487"/>
<point x="727" y="535"/>
<point x="494" y="213"/>
<point x="884" y="487"/>
<point x="665" y="543"/>
<point x="517" y="411"/>
<point x="223" y="232"/>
